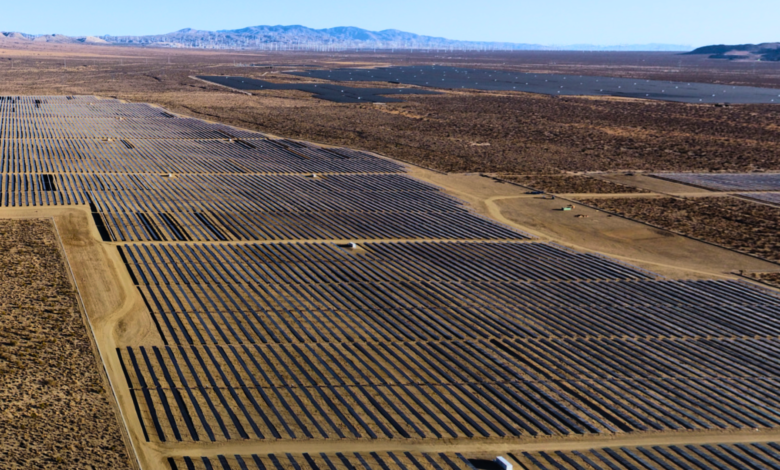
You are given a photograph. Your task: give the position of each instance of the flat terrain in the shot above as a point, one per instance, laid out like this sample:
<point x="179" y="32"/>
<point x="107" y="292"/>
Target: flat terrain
<point x="371" y="311"/>
<point x="572" y="184"/>
<point x="465" y="131"/>
<point x="596" y="231"/>
<point x="55" y="411"/>
<point x="336" y="93"/>
<point x="255" y="296"/>
<point x="741" y="225"/>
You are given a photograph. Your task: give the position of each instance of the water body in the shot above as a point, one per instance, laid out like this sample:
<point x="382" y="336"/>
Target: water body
<point x="337" y="93"/>
<point x="552" y="84"/>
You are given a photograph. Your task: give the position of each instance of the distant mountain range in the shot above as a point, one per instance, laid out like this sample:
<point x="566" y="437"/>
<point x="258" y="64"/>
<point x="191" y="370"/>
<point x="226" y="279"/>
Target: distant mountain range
<point x="302" y="38"/>
<point x="767" y="51"/>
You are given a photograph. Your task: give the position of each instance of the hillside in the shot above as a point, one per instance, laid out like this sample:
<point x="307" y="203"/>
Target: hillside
<point x="298" y="37"/>
<point x="301" y="37"/>
<point x="767" y="51"/>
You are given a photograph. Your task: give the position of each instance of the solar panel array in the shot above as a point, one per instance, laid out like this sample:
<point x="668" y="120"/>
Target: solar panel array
<point x="771" y="198"/>
<point x="760" y="455"/>
<point x="325" y="91"/>
<point x="359" y="303"/>
<point x="682" y="457"/>
<point x="447" y="77"/>
<point x="316" y="342"/>
<point x="727" y="181"/>
<point x="335" y="461"/>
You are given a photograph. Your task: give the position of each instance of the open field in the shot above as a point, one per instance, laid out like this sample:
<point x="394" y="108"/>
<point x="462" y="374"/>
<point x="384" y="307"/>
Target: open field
<point x="740" y="225"/>
<point x="54" y="408"/>
<point x="570" y="184"/>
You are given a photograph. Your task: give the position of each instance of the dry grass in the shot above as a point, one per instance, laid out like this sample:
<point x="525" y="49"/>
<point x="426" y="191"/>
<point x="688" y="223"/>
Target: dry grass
<point x="55" y="413"/>
<point x="733" y="223"/>
<point x="768" y="278"/>
<point x="571" y="184"/>
<point x="526" y="133"/>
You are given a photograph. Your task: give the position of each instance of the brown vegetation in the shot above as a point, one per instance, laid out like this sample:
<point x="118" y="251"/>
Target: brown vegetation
<point x="525" y="133"/>
<point x="733" y="223"/>
<point x="571" y="184"/>
<point x="767" y="278"/>
<point x="55" y="413"/>
<point x="458" y="131"/>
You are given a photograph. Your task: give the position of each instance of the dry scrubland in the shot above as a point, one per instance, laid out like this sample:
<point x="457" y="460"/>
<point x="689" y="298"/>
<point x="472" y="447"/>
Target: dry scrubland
<point x="511" y="133"/>
<point x="571" y="184"/>
<point x="769" y="278"/>
<point x="740" y="225"/>
<point x="55" y="413"/>
<point x="515" y="133"/>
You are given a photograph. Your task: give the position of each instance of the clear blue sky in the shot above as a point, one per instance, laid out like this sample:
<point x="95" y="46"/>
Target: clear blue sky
<point x="551" y="22"/>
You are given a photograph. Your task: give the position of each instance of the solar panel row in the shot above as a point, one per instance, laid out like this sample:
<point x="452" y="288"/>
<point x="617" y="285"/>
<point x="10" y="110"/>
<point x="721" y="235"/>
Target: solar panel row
<point x="727" y="181"/>
<point x="421" y="319"/>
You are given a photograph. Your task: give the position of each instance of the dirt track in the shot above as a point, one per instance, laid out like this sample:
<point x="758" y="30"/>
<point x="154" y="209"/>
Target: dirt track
<point x="495" y="447"/>
<point x="650" y="248"/>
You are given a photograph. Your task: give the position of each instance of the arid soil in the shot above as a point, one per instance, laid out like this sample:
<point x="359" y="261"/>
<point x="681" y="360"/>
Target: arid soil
<point x="467" y="131"/>
<point x="733" y="223"/>
<point x="54" y="412"/>
<point x="571" y="184"/>
<point x="768" y="278"/>
<point x="516" y="133"/>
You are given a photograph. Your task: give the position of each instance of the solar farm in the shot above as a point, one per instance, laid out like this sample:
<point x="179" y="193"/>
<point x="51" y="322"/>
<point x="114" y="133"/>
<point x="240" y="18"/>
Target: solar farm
<point x="325" y="91"/>
<point x="727" y="181"/>
<point x="318" y="308"/>
<point x="448" y="77"/>
<point x="771" y="198"/>
<point x="759" y="455"/>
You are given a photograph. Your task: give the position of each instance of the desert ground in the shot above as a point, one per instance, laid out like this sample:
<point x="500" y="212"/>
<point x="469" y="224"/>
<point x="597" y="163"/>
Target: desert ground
<point x="510" y="133"/>
<point x="55" y="411"/>
<point x="493" y="151"/>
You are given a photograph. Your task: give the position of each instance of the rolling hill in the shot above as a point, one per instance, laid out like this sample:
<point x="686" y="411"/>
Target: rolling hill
<point x="298" y="37"/>
<point x="766" y="51"/>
